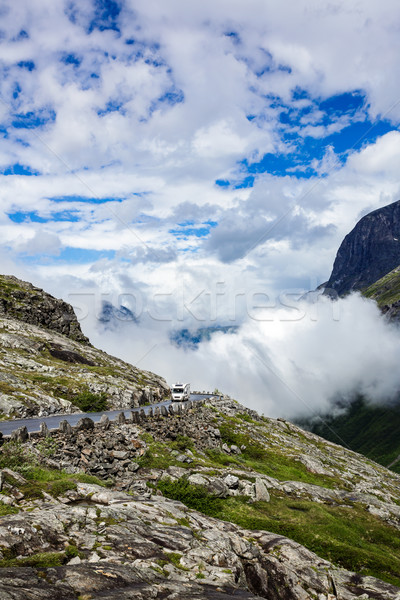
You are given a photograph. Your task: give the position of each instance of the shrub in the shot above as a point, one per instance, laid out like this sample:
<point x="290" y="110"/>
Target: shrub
<point x="182" y="443"/>
<point x="194" y="496"/>
<point x="90" y="402"/>
<point x="14" y="455"/>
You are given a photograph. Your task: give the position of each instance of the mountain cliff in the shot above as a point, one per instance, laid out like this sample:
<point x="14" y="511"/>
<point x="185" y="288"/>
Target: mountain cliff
<point x="29" y="304"/>
<point x="368" y="252"/>
<point x="48" y="366"/>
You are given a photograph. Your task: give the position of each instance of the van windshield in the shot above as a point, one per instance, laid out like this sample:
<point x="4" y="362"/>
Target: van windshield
<point x="177" y="391"/>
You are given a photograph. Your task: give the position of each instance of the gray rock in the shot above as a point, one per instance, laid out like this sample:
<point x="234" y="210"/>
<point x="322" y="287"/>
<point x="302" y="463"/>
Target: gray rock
<point x="261" y="491"/>
<point x="231" y="481"/>
<point x="84" y="424"/>
<point x="218" y="488"/>
<point x="104" y="422"/>
<point x="19" y="435"/>
<point x="44" y="430"/>
<point x="235" y="449"/>
<point x="65" y="427"/>
<point x="197" y="479"/>
<point x="368" y="252"/>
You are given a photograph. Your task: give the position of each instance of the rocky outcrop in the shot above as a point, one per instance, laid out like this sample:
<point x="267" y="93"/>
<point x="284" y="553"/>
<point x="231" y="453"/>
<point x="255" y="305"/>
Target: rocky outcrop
<point x="130" y="542"/>
<point x="23" y="301"/>
<point x="368" y="252"/>
<point x="157" y="548"/>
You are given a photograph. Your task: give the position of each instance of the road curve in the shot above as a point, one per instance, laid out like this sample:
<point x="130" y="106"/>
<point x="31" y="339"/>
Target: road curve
<point x="53" y="421"/>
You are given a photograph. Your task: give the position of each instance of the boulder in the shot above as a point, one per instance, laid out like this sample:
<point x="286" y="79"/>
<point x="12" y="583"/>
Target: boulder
<point x="261" y="491"/>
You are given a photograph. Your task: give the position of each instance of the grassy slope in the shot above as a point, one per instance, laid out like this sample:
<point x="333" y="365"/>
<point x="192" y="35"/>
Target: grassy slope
<point x="370" y="430"/>
<point x="386" y="290"/>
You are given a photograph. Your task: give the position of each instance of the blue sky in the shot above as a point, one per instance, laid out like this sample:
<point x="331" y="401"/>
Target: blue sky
<point x="140" y="128"/>
<point x="168" y="149"/>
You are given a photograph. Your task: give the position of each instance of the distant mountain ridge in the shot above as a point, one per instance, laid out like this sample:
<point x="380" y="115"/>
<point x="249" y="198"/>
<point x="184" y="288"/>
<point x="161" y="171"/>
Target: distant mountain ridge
<point x="192" y="339"/>
<point x="112" y="316"/>
<point x="368" y="252"/>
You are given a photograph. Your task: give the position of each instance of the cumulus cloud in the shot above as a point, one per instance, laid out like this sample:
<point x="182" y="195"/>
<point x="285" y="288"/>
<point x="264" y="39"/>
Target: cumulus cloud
<point x="195" y="158"/>
<point x="43" y="242"/>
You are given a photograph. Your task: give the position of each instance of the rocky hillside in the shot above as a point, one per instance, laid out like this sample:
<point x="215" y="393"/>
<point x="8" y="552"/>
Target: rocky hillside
<point x="23" y="301"/>
<point x="208" y="501"/>
<point x="48" y="366"/>
<point x="368" y="252"/>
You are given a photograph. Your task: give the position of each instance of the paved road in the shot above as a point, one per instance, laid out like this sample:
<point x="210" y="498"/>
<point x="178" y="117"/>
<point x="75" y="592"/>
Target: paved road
<point x="6" y="427"/>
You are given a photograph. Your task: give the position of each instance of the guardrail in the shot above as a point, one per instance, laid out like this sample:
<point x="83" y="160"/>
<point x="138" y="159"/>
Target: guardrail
<point x="21" y="434"/>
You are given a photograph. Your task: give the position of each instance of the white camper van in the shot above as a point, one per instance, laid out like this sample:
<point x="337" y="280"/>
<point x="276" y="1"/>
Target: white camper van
<point x="181" y="392"/>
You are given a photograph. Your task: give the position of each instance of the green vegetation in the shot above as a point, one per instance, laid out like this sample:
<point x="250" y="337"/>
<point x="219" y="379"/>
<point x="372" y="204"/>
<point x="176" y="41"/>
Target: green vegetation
<point x="158" y="454"/>
<point x="346" y="535"/>
<point x="182" y="443"/>
<point x="7" y="510"/>
<point x="173" y="558"/>
<point x="89" y="402"/>
<point x="39" y="479"/>
<point x="194" y="496"/>
<point x="71" y="551"/>
<point x="47" y="447"/>
<point x="258" y="457"/>
<point x="365" y="428"/>
<point x="41" y="560"/>
<point x="386" y="290"/>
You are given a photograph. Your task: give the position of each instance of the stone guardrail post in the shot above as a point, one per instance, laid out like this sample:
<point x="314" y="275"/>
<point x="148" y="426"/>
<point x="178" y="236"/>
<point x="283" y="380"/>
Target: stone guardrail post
<point x="21" y="434"/>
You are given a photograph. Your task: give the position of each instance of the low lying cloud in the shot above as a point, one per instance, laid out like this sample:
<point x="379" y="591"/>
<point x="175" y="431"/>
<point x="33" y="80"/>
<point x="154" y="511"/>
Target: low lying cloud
<point x="291" y="361"/>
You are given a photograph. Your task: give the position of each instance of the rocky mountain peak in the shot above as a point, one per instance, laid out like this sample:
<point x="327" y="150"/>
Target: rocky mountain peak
<point x="368" y="252"/>
<point x="25" y="302"/>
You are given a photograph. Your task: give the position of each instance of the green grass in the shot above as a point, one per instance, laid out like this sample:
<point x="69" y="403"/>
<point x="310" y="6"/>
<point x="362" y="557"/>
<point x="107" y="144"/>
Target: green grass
<point x="365" y="428"/>
<point x="349" y="537"/>
<point x="41" y="560"/>
<point x="173" y="558"/>
<point x="7" y="510"/>
<point x="194" y="496"/>
<point x="158" y="454"/>
<point x="386" y="290"/>
<point x="182" y="443"/>
<point x="260" y="458"/>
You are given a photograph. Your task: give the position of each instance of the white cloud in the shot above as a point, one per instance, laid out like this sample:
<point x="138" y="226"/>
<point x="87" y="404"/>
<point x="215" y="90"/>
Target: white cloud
<point x="198" y="94"/>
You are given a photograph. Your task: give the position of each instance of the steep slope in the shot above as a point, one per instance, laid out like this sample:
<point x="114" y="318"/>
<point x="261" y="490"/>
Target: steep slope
<point x="366" y="428"/>
<point x="386" y="292"/>
<point x="48" y="366"/>
<point x="209" y="504"/>
<point x="368" y="252"/>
